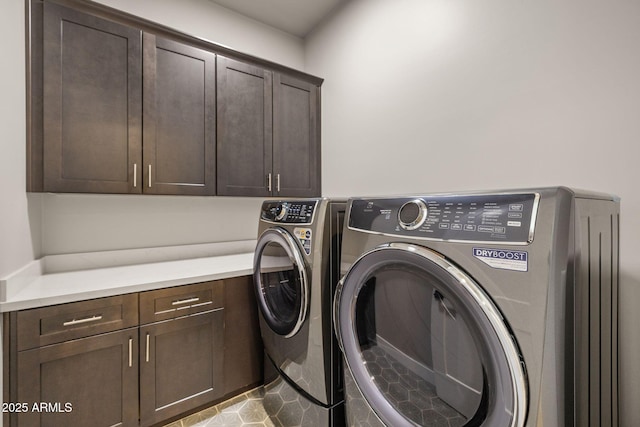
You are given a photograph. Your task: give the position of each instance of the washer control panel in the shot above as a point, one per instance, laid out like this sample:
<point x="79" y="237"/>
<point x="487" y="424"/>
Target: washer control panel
<point x="288" y="212"/>
<point x="478" y="218"/>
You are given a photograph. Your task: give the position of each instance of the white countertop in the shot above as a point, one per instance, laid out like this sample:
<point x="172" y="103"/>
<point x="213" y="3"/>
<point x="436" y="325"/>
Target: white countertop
<point x="41" y="289"/>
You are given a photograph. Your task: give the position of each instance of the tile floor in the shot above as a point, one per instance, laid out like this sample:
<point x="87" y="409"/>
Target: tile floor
<point x="410" y="394"/>
<point x="245" y="410"/>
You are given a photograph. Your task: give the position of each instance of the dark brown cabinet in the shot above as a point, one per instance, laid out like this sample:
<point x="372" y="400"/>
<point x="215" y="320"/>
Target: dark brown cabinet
<point x="268" y="133"/>
<point x="92" y="103"/>
<point x="296" y="137"/>
<point x="180" y="365"/>
<point x="243" y="353"/>
<point x="118" y="104"/>
<point x="179" y="118"/>
<point x="134" y="359"/>
<point x="245" y="114"/>
<point x="105" y="86"/>
<point x="79" y="362"/>
<point x="90" y="381"/>
<point x="181" y="359"/>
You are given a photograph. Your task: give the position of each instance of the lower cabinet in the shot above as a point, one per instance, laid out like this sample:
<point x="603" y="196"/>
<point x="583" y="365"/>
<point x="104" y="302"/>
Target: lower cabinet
<point x="180" y="365"/>
<point x="169" y="352"/>
<point x="87" y="382"/>
<point x="243" y="352"/>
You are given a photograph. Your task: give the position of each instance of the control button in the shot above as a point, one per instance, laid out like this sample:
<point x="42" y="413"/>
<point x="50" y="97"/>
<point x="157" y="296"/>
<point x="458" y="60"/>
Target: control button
<point x="412" y="214"/>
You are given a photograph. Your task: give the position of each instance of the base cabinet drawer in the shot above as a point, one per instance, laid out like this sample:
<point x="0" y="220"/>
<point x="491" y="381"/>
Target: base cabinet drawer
<point x="181" y="365"/>
<point x="179" y="301"/>
<point x="54" y="324"/>
<point x="87" y="382"/>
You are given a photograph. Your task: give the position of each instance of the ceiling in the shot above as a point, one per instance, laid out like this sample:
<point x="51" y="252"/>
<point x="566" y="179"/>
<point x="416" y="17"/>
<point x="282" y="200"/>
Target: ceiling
<point x="297" y="17"/>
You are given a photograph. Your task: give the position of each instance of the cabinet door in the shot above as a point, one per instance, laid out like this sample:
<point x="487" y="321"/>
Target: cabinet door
<point x="180" y="365"/>
<point x="244" y="129"/>
<point x="87" y="382"/>
<point x="91" y="103"/>
<point x="243" y="361"/>
<point x="179" y="118"/>
<point x="296" y="146"/>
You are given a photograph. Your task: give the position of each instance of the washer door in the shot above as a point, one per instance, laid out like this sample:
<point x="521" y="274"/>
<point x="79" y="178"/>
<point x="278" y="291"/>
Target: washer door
<point x="425" y="344"/>
<point x="280" y="278"/>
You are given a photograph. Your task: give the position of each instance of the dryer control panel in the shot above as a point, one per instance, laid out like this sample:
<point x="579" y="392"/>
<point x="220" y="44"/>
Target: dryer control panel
<point x="508" y="218"/>
<point x="288" y="212"/>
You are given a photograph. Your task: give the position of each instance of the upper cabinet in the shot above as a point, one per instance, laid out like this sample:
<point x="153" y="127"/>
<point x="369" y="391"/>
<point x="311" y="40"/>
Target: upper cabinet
<point x="268" y="133"/>
<point x="118" y="104"/>
<point x="245" y="137"/>
<point x="179" y="118"/>
<point x="92" y="103"/>
<point x="296" y="137"/>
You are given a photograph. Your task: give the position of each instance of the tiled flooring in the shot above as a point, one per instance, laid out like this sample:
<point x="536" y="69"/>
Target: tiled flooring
<point x="411" y="395"/>
<point x="245" y="410"/>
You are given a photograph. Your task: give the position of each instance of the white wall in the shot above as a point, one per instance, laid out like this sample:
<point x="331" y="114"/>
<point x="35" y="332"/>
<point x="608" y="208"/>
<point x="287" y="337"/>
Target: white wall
<point x="73" y="223"/>
<point x="207" y="20"/>
<point x="18" y="240"/>
<point x="436" y="95"/>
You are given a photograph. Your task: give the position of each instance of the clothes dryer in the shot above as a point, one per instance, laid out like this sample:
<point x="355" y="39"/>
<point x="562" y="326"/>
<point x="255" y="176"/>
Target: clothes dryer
<point x="296" y="270"/>
<point x="480" y="309"/>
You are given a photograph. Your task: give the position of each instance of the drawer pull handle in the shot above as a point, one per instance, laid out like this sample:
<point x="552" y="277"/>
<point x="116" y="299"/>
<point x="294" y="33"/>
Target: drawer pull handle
<point x="202" y="304"/>
<point x="84" y="320"/>
<point x="135" y="175"/>
<point x="185" y="301"/>
<point x="130" y="352"/>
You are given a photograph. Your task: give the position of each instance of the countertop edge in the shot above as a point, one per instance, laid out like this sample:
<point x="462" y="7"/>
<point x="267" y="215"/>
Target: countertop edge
<point x="59" y="288"/>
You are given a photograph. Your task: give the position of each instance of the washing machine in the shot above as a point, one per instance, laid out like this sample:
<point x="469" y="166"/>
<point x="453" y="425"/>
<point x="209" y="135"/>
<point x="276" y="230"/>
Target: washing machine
<point x="296" y="271"/>
<point x="480" y="309"/>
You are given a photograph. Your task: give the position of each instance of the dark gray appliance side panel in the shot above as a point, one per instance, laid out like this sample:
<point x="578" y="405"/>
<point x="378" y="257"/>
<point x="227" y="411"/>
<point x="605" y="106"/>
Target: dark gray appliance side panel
<point x="596" y="312"/>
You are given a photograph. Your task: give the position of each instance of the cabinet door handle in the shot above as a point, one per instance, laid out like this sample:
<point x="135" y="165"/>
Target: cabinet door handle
<point x="185" y="301"/>
<point x="269" y="182"/>
<point x="278" y="183"/>
<point x="135" y="175"/>
<point x="130" y="352"/>
<point x="83" y="320"/>
<point x="149" y="176"/>
<point x="146" y="356"/>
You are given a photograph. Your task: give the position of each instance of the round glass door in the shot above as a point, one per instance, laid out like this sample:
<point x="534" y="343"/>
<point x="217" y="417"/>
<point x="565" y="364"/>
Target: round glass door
<point x="281" y="282"/>
<point x="424" y="343"/>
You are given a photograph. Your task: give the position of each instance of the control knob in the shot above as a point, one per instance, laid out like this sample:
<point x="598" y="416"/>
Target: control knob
<point x="281" y="211"/>
<point x="412" y="214"/>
